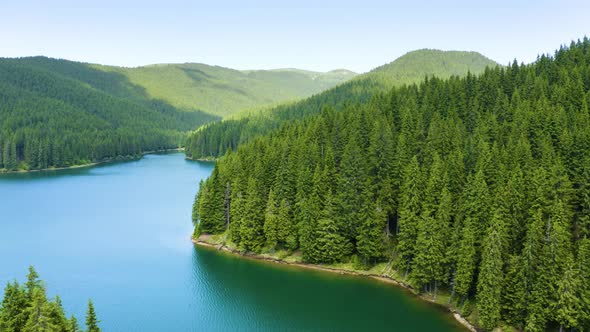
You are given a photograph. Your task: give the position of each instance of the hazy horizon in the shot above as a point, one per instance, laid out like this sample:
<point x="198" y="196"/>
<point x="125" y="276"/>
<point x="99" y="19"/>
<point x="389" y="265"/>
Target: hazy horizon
<point x="302" y="35"/>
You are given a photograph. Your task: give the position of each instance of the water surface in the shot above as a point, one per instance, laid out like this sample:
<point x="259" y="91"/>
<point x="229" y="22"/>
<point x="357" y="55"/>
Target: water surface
<point x="119" y="234"/>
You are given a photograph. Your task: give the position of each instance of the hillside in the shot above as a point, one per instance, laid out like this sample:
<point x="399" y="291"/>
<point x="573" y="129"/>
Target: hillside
<point x="57" y="113"/>
<point x="215" y="139"/>
<point x="222" y="91"/>
<point x="474" y="190"/>
<point x="413" y="66"/>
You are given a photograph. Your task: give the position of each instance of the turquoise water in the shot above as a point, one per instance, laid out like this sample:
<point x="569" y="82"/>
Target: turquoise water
<point x="119" y="234"/>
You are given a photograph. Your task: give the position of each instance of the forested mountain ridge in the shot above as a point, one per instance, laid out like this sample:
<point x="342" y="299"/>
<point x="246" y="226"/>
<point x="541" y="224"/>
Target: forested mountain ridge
<point x="59" y="113"/>
<point x="56" y="113"/>
<point x="413" y="66"/>
<point x="224" y="91"/>
<point x="215" y="139"/>
<point x="477" y="188"/>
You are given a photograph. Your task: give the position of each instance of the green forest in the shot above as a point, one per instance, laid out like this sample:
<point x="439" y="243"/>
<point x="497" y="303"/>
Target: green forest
<point x="224" y="91"/>
<point x="57" y="113"/>
<point x="213" y="140"/>
<point x="475" y="186"/>
<point x="26" y="308"/>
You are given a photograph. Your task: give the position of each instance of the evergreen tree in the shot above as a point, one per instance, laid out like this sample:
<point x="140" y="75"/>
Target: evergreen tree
<point x="73" y="325"/>
<point x="371" y="239"/>
<point x="489" y="285"/>
<point x="286" y="232"/>
<point x="13" y="315"/>
<point x="409" y="212"/>
<point x="271" y="221"/>
<point x="91" y="320"/>
<point x="569" y="306"/>
<point x="39" y="313"/>
<point x="329" y="246"/>
<point x="514" y="294"/>
<point x="476" y="217"/>
<point x="252" y="225"/>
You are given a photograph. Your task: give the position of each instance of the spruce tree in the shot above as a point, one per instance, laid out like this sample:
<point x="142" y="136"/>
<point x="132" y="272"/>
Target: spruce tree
<point x="329" y="246"/>
<point x="514" y="293"/>
<point x="489" y="285"/>
<point x="73" y="325"/>
<point x="252" y="225"/>
<point x="91" y="320"/>
<point x="13" y="314"/>
<point x="409" y="212"/>
<point x="39" y="313"/>
<point x="371" y="239"/>
<point x="271" y="221"/>
<point x="570" y="303"/>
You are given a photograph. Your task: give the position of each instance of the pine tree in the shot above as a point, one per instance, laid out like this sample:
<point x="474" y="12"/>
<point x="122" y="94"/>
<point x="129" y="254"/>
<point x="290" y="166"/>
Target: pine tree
<point x="569" y="306"/>
<point x="13" y="315"/>
<point x="39" y="313"/>
<point x="329" y="246"/>
<point x="489" y="285"/>
<point x="476" y="218"/>
<point x="351" y="179"/>
<point x="409" y="212"/>
<point x="514" y="294"/>
<point x="252" y="225"/>
<point x="91" y="320"/>
<point x="271" y="221"/>
<point x="57" y="315"/>
<point x="287" y="231"/>
<point x="429" y="264"/>
<point x="73" y="325"/>
<point x="371" y="239"/>
<point x="211" y="205"/>
<point x="583" y="261"/>
<point x="33" y="282"/>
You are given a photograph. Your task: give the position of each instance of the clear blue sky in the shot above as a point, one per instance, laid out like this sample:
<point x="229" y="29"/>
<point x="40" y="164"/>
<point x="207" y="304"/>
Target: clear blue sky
<point x="316" y="35"/>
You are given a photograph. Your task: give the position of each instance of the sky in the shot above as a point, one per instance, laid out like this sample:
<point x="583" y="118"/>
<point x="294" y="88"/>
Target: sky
<point x="315" y="35"/>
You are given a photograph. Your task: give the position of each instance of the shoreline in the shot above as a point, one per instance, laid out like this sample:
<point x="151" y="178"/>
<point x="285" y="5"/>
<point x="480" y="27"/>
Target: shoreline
<point x="385" y="279"/>
<point x="110" y="160"/>
<point x="201" y="159"/>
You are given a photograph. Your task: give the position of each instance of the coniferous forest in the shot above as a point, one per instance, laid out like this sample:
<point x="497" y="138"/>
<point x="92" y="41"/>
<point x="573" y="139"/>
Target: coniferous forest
<point x="478" y="186"/>
<point x="214" y="139"/>
<point x="56" y="113"/>
<point x="26" y="308"/>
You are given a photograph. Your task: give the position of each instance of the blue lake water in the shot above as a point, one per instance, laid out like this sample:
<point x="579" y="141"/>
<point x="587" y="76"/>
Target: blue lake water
<point x="120" y="234"/>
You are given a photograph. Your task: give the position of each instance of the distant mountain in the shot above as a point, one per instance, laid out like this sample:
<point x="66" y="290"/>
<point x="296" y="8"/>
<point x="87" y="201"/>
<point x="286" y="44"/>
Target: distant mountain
<point x="57" y="113"/>
<point x="413" y="66"/>
<point x="223" y="91"/>
<point x="213" y="140"/>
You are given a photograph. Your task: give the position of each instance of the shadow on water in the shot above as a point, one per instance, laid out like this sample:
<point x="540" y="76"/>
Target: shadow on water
<point x="100" y="169"/>
<point x="257" y="295"/>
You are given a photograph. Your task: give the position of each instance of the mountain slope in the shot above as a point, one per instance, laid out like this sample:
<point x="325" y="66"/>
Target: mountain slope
<point x="213" y="140"/>
<point x="413" y="66"/>
<point x="474" y="191"/>
<point x="223" y="91"/>
<point x="56" y="113"/>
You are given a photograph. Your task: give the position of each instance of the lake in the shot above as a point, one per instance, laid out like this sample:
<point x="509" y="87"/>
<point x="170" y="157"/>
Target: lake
<point x="119" y="233"/>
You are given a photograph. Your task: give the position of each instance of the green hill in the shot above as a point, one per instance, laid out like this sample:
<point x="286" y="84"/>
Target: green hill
<point x="413" y="66"/>
<point x="213" y="140"/>
<point x="56" y="113"/>
<point x="474" y="190"/>
<point x="223" y="91"/>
